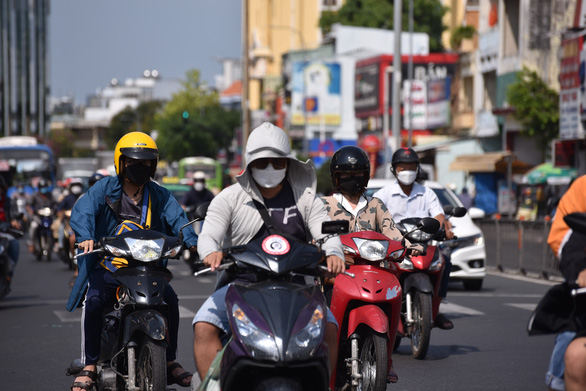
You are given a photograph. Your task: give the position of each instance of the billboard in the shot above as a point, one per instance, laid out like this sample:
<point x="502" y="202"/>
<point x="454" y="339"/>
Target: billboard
<point x="315" y="93"/>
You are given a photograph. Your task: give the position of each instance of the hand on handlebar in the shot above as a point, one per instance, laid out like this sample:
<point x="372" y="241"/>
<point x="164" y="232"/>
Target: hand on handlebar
<point x="213" y="260"/>
<point x="336" y="265"/>
<point x="448" y="229"/>
<point x="581" y="280"/>
<point x="87" y="246"/>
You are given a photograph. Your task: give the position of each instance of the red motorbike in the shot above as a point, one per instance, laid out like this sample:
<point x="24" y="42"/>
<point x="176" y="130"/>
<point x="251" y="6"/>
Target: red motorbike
<point x="420" y="278"/>
<point x="366" y="302"/>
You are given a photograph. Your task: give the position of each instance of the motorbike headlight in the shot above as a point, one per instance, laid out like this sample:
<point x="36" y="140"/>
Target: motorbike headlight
<point x="373" y="250"/>
<point x="145" y="250"/>
<point x="257" y="342"/>
<point x="117" y="252"/>
<point x="1" y="248"/>
<point x="406" y="264"/>
<point x="436" y="265"/>
<point x="305" y="342"/>
<point x="173" y="252"/>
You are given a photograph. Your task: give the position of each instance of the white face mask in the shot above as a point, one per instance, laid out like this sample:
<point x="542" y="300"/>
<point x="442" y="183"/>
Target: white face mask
<point x="198" y="186"/>
<point x="76" y="189"/>
<point x="407" y="177"/>
<point x="269" y="177"/>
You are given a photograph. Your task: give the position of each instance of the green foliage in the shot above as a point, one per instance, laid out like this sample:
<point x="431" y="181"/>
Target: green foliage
<point x="427" y="17"/>
<point x="536" y="108"/>
<point x="460" y="33"/>
<point x="207" y="128"/>
<point x="59" y="140"/>
<point x="324" y="182"/>
<point x="129" y="120"/>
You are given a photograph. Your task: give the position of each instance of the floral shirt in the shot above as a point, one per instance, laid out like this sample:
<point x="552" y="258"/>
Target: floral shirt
<point x="371" y="214"/>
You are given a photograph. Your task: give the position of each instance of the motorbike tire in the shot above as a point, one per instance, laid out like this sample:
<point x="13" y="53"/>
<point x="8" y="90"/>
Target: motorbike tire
<point x="421" y="328"/>
<point x="397" y="343"/>
<point x="373" y="358"/>
<point x="151" y="370"/>
<point x="4" y="283"/>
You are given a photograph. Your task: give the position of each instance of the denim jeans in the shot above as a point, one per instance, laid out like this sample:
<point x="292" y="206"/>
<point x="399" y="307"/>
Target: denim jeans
<point x="555" y="372"/>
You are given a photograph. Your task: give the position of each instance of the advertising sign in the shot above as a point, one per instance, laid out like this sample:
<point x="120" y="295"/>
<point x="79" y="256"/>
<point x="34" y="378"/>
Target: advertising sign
<point x="366" y="88"/>
<point x="315" y="94"/>
<point x="414" y="104"/>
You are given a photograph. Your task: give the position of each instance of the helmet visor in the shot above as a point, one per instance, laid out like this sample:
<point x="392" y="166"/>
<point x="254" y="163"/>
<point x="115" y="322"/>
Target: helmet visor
<point x="140" y="153"/>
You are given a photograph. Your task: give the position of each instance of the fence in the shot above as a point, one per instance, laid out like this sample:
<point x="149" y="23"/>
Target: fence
<point x="520" y="247"/>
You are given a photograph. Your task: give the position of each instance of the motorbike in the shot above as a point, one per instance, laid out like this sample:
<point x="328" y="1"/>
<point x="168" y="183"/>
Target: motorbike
<point x="7" y="233"/>
<point x="420" y="278"/>
<point x="43" y="240"/>
<point x="67" y="252"/>
<point x="134" y="329"/>
<point x="278" y="321"/>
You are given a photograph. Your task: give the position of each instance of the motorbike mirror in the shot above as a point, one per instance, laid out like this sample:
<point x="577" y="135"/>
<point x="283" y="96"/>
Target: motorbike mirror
<point x="576" y="221"/>
<point x="448" y="209"/>
<point x="429" y="225"/>
<point x="336" y="227"/>
<point x="200" y="212"/>
<point x="459" y="212"/>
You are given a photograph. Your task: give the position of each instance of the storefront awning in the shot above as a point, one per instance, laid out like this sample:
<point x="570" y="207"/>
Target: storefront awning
<point x="489" y="162"/>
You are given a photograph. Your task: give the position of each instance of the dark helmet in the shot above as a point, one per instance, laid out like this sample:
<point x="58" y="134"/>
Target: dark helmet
<point x="94" y="178"/>
<point x="350" y="159"/>
<point x="404" y="155"/>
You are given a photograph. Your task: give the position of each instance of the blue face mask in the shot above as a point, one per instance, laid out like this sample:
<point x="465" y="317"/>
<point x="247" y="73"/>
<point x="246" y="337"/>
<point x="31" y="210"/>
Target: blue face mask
<point x="45" y="190"/>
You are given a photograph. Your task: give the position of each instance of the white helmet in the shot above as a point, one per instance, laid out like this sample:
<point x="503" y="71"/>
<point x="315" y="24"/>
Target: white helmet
<point x="199" y="175"/>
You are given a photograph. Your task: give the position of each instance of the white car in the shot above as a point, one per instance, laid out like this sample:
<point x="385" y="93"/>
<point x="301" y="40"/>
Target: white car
<point x="469" y="255"/>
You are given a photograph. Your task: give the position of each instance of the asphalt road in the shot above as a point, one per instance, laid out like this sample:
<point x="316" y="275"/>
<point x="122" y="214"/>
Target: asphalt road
<point x="487" y="350"/>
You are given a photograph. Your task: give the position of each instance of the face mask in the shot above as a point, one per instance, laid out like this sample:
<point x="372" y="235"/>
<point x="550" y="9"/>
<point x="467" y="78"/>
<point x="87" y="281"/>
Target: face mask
<point x="268" y="177"/>
<point x="407" y="177"/>
<point x="138" y="174"/>
<point x="198" y="186"/>
<point x="353" y="186"/>
<point x="76" y="190"/>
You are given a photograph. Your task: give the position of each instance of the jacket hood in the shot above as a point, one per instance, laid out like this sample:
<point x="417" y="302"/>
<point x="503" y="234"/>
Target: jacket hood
<point x="270" y="141"/>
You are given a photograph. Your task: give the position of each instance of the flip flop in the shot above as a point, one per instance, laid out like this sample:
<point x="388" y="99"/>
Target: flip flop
<point x="88" y="385"/>
<point x="441" y="322"/>
<point x="392" y="376"/>
<point x="180" y="380"/>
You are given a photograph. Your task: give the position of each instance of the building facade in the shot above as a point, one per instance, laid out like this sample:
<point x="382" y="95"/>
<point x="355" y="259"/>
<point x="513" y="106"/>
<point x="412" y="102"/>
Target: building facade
<point x="24" y="69"/>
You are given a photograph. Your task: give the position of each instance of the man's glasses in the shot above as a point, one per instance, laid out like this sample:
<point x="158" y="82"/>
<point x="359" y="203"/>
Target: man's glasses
<point x="277" y="163"/>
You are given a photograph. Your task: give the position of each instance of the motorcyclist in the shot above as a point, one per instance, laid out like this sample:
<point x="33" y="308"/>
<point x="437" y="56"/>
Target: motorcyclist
<point x="350" y="172"/>
<point x="198" y="194"/>
<point x="285" y="186"/>
<point x="406" y="198"/>
<point x="8" y="214"/>
<point x="42" y="198"/>
<point x="132" y="197"/>
<point x="63" y="209"/>
<point x="96" y="176"/>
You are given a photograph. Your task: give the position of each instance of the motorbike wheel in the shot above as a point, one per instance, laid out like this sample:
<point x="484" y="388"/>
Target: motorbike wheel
<point x="421" y="328"/>
<point x="373" y="357"/>
<point x="151" y="374"/>
<point x="4" y="284"/>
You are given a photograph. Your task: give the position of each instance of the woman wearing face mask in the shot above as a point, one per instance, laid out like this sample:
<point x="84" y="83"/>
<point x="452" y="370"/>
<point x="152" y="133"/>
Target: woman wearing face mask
<point x="406" y="198"/>
<point x="197" y="195"/>
<point x="63" y="210"/>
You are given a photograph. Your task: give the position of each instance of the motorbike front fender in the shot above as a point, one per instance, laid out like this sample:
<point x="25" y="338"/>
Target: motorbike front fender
<point x="419" y="281"/>
<point x="370" y="315"/>
<point x="148" y="322"/>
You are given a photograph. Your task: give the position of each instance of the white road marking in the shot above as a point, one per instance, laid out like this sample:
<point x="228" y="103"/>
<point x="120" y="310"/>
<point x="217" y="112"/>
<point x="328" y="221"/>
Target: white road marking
<point x="454" y="309"/>
<point x="523" y="306"/>
<point x="66" y="316"/>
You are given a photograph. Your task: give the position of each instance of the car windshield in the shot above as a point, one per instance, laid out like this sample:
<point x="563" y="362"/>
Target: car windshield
<point x="445" y="198"/>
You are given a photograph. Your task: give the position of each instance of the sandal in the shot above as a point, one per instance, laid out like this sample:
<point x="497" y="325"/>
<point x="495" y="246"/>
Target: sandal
<point x="88" y="385"/>
<point x="180" y="380"/>
<point x="392" y="376"/>
<point x="443" y="323"/>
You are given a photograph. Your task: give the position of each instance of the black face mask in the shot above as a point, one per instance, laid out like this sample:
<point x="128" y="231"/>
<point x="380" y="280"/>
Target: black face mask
<point x="353" y="185"/>
<point x="138" y="174"/>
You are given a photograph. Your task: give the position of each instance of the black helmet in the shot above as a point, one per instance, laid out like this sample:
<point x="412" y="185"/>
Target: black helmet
<point x="405" y="155"/>
<point x="350" y="159"/>
<point x="94" y="178"/>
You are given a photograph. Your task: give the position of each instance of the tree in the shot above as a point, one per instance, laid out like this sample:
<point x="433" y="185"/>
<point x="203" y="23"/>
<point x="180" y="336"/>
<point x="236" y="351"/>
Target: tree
<point x="193" y="123"/>
<point x="129" y="120"/>
<point x="536" y="108"/>
<point x="427" y="17"/>
<point x="60" y="142"/>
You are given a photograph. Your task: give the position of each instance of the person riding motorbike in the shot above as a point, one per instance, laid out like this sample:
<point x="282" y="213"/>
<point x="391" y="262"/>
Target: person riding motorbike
<point x="130" y="196"/>
<point x="39" y="200"/>
<point x="8" y="214"/>
<point x="96" y="176"/>
<point x="406" y="198"/>
<point x="350" y="172"/>
<point x="276" y="180"/>
<point x="198" y="194"/>
<point x="75" y="188"/>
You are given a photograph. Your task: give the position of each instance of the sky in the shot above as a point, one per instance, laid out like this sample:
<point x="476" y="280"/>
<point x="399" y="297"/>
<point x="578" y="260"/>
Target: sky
<point x="93" y="41"/>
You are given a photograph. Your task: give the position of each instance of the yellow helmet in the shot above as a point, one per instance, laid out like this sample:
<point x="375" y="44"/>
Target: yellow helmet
<point x="136" y="145"/>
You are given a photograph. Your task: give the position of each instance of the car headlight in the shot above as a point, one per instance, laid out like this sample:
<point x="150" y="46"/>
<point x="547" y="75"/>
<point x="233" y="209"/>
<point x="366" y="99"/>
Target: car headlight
<point x="257" y="342"/>
<point x="406" y="264"/>
<point x="305" y="342"/>
<point x="145" y="250"/>
<point x="469" y="241"/>
<point x="373" y="250"/>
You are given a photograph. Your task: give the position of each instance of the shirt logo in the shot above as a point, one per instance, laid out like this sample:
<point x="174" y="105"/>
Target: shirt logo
<point x="275" y="245"/>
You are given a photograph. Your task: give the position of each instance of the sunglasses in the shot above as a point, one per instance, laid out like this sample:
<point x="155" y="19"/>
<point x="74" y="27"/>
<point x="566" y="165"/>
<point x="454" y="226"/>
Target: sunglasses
<point x="277" y="163"/>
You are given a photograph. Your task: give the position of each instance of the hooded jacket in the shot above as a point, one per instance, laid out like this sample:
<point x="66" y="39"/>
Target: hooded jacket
<point x="95" y="215"/>
<point x="232" y="218"/>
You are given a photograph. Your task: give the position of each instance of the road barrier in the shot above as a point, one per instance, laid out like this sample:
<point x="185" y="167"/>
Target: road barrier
<point x="519" y="247"/>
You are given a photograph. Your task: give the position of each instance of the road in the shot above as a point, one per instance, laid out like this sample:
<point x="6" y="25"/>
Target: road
<point x="487" y="350"/>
